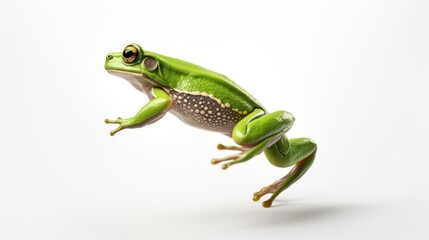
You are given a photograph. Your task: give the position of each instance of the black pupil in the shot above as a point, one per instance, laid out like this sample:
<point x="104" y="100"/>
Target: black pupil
<point x="127" y="53"/>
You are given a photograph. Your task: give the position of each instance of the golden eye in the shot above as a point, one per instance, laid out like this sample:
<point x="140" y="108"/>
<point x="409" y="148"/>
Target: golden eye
<point x="130" y="54"/>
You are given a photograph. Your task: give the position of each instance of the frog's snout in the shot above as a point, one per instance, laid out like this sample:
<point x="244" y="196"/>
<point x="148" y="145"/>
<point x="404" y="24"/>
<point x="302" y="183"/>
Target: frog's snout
<point x="109" y="61"/>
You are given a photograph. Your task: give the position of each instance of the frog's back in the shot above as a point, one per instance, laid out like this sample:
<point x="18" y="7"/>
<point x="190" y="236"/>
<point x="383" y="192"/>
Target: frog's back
<point x="188" y="77"/>
<point x="204" y="98"/>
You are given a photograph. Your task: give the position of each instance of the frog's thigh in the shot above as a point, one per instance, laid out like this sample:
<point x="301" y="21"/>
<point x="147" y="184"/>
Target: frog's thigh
<point x="258" y="126"/>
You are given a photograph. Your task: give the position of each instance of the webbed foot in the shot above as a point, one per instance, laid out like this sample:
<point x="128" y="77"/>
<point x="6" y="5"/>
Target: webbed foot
<point x="230" y="158"/>
<point x="267" y="190"/>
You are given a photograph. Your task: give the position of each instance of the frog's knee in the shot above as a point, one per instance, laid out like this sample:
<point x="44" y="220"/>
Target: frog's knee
<point x="250" y="133"/>
<point x="286" y="118"/>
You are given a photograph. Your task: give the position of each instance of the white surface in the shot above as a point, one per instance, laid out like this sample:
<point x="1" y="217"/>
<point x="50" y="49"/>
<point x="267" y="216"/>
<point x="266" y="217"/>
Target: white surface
<point x="354" y="73"/>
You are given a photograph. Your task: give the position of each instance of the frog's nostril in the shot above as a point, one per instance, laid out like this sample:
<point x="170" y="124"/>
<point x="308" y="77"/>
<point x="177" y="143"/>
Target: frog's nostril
<point x="109" y="57"/>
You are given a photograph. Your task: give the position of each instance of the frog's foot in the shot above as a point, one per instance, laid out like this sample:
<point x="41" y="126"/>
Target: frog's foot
<point x="118" y="120"/>
<point x="267" y="190"/>
<point x="239" y="148"/>
<point x="231" y="158"/>
<point x="123" y="123"/>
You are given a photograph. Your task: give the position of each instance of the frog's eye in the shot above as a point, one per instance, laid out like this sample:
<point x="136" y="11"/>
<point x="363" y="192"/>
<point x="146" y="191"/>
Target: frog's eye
<point x="130" y="54"/>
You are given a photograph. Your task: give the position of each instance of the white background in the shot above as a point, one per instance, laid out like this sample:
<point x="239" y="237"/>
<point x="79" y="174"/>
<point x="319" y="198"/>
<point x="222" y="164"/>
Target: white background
<point x="354" y="73"/>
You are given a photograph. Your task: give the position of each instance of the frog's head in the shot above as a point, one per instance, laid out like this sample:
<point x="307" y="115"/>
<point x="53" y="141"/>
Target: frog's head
<point x="136" y="66"/>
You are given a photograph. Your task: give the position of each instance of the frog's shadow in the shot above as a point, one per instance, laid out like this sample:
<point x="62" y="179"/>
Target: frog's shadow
<point x="285" y="212"/>
<point x="282" y="213"/>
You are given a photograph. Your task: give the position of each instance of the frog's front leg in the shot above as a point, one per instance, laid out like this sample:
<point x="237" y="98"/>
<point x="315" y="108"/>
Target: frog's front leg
<point x="155" y="109"/>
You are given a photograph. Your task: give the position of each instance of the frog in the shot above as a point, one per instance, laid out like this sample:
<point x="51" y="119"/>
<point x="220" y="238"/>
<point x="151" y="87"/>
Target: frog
<point x="211" y="101"/>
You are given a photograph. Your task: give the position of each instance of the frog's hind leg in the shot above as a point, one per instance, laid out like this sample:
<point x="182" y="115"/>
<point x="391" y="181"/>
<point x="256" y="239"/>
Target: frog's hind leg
<point x="260" y="132"/>
<point x="284" y="153"/>
<point x="254" y="133"/>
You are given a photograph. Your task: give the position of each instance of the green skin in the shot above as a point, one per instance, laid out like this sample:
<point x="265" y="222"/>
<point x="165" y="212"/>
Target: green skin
<point x="211" y="101"/>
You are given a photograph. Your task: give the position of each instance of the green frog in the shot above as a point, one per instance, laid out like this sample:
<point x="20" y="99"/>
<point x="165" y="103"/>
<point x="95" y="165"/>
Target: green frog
<point x="211" y="101"/>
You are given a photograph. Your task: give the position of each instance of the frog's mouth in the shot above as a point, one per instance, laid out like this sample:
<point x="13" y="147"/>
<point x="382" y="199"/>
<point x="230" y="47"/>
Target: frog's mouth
<point x="140" y="81"/>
